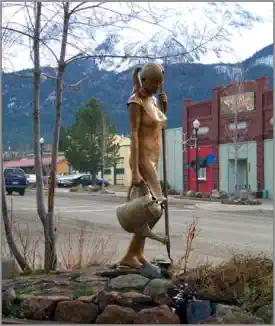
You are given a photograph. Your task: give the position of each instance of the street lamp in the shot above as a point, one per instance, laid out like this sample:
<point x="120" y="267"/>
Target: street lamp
<point x="41" y="141"/>
<point x="196" y="125"/>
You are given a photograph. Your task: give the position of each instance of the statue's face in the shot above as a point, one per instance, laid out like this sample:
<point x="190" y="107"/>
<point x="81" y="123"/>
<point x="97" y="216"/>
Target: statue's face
<point x="152" y="85"/>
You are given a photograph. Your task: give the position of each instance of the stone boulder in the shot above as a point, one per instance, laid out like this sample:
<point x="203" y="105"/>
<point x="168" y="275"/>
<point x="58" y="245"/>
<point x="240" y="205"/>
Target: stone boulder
<point x="190" y="193"/>
<point x="40" y="307"/>
<point x="128" y="282"/>
<point x="114" y="314"/>
<point x="158" y="315"/>
<point x="8" y="298"/>
<point x="76" y="312"/>
<point x="93" y="188"/>
<point x="198" y="194"/>
<point x="157" y="289"/>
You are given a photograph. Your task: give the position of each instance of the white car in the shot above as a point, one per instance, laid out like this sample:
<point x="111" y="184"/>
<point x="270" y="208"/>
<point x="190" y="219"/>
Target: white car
<point x="31" y="178"/>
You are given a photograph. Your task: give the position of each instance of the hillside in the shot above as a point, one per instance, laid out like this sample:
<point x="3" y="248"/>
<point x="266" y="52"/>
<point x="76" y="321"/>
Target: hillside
<point x="112" y="90"/>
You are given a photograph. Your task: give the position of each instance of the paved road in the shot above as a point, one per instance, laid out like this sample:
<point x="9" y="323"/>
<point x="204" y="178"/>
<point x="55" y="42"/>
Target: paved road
<point x="220" y="233"/>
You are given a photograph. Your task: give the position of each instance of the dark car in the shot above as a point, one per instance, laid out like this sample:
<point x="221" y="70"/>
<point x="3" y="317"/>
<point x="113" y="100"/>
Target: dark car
<point x="15" y="181"/>
<point x="84" y="180"/>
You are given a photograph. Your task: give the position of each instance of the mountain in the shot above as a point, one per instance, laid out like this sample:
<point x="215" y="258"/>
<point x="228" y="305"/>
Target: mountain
<point x="112" y="89"/>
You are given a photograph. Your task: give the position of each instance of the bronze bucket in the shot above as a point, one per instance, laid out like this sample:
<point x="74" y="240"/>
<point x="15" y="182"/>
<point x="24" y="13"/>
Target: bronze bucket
<point x="136" y="215"/>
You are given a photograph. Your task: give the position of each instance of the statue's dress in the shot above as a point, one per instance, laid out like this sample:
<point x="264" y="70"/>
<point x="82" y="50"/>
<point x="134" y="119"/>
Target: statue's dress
<point x="149" y="137"/>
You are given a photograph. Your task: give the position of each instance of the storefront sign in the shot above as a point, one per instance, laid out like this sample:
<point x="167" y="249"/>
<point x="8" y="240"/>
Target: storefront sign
<point x="240" y="125"/>
<point x="202" y="130"/>
<point x="242" y="102"/>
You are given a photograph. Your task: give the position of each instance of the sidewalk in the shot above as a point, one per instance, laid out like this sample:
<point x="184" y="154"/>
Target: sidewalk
<point x="267" y="206"/>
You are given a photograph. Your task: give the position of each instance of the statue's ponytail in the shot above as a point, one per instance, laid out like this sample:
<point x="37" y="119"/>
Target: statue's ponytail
<point x="136" y="80"/>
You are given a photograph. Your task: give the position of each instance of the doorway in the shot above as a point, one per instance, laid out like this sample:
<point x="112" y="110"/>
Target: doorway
<point x="242" y="175"/>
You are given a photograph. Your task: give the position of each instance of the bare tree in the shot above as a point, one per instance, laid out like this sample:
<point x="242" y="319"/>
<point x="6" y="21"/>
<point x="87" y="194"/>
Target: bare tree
<point x="236" y="130"/>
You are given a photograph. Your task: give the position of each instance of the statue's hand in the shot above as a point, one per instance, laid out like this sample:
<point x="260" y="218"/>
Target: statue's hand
<point x="163" y="100"/>
<point x="163" y="97"/>
<point x="137" y="179"/>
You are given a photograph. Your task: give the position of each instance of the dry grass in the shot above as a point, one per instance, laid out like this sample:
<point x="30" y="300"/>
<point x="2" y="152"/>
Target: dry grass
<point x="29" y="244"/>
<point x="247" y="278"/>
<point x="76" y="247"/>
<point x="85" y="248"/>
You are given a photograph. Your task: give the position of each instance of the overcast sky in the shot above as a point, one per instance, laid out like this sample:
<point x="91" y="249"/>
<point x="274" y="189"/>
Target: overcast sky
<point x="245" y="45"/>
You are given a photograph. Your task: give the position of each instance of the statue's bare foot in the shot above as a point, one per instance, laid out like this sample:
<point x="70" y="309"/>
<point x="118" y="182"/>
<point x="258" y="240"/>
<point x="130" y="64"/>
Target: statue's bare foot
<point x="132" y="262"/>
<point x="143" y="260"/>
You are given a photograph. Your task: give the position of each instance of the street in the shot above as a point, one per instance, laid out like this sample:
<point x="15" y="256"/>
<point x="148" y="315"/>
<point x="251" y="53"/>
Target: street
<point x="220" y="233"/>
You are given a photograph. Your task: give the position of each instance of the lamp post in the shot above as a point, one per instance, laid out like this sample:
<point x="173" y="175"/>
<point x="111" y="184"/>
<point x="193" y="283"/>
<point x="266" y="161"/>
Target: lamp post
<point x="196" y="125"/>
<point x="41" y="141"/>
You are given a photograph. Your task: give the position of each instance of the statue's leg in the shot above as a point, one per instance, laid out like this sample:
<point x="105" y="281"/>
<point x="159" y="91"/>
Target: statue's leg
<point x="141" y="258"/>
<point x="130" y="259"/>
<point x="149" y="173"/>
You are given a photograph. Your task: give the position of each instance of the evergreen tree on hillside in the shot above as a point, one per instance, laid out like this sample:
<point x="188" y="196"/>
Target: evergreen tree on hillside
<point x="90" y="144"/>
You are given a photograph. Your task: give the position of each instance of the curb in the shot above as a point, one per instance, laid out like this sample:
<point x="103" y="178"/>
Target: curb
<point x="234" y="208"/>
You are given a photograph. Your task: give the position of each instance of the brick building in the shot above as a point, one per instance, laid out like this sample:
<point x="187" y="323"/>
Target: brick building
<point x="255" y="130"/>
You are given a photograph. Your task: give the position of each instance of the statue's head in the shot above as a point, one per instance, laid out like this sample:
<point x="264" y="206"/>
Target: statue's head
<point x="151" y="76"/>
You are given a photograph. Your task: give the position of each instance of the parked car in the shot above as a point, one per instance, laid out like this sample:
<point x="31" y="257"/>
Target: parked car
<point x="15" y="181"/>
<point x="31" y="178"/>
<point x="84" y="180"/>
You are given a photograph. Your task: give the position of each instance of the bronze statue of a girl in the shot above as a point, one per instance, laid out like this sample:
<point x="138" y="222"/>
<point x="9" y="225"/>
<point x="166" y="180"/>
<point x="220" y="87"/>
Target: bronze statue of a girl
<point x="146" y="123"/>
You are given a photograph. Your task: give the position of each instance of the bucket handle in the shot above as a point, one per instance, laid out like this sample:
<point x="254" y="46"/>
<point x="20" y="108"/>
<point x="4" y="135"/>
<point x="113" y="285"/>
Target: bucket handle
<point x="132" y="186"/>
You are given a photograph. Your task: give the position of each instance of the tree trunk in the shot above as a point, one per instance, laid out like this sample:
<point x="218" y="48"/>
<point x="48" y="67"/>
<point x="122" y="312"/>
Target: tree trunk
<point x="8" y="230"/>
<point x="93" y="177"/>
<point x="41" y="210"/>
<point x="50" y="251"/>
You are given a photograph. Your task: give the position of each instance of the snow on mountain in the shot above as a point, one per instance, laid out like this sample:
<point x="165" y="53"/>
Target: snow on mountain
<point x="182" y="27"/>
<point x="233" y="73"/>
<point x="192" y="26"/>
<point x="267" y="61"/>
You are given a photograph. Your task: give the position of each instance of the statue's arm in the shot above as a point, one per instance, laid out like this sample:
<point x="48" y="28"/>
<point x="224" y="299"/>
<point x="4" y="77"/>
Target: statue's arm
<point x="135" y="120"/>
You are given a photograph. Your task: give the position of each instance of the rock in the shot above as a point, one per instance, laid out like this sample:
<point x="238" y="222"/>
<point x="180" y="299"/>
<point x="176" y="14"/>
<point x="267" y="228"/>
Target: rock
<point x="93" y="188"/>
<point x="190" y="193"/>
<point x="106" y="192"/>
<point x="118" y="271"/>
<point x="40" y="308"/>
<point x="126" y="282"/>
<point x="102" y="299"/>
<point x="215" y="194"/>
<point x="157" y="315"/>
<point x="76" y="312"/>
<point x="136" y="300"/>
<point x="131" y="299"/>
<point x="114" y="314"/>
<point x="244" y="194"/>
<point x="223" y="195"/>
<point x="87" y="298"/>
<point x="157" y="289"/>
<point x="225" y="310"/>
<point x="198" y="195"/>
<point x="265" y="313"/>
<point x="9" y="269"/>
<point x="235" y="315"/>
<point x="151" y="271"/>
<point x="197" y="311"/>
<point x="8" y="298"/>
